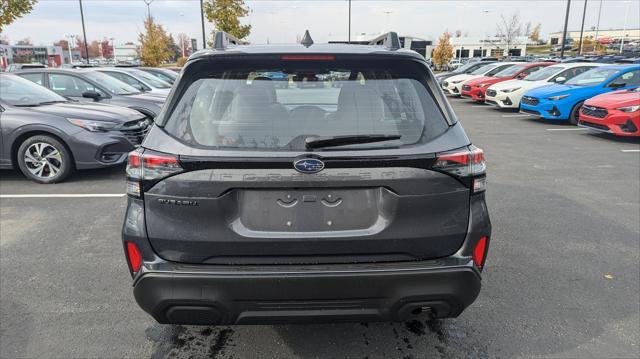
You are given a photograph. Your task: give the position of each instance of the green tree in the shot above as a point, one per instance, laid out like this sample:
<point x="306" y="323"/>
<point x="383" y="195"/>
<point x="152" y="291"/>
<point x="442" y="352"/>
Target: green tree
<point x="10" y="10"/>
<point x="225" y="16"/>
<point x="155" y="44"/>
<point x="443" y="52"/>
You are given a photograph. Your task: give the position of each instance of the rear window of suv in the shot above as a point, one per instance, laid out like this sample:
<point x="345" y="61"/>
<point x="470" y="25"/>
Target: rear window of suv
<point x="275" y="105"/>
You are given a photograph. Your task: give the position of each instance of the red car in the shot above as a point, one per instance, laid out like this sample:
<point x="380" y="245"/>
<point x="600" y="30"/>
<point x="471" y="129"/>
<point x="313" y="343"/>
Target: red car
<point x="475" y="89"/>
<point x="614" y="112"/>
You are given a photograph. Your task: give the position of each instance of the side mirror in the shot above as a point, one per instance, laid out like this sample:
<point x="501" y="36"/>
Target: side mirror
<point x="560" y="80"/>
<point x="92" y="95"/>
<point x="138" y="87"/>
<point x="617" y="85"/>
<point x="521" y="76"/>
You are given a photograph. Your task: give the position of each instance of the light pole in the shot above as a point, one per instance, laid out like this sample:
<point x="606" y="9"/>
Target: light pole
<point x="73" y="41"/>
<point x="84" y="32"/>
<point x="624" y="29"/>
<point x="113" y="49"/>
<point x="598" y="26"/>
<point x="204" y="37"/>
<point x="564" y="32"/>
<point x="148" y="2"/>
<point x="485" y="35"/>
<point x="349" y="36"/>
<point x="584" y="12"/>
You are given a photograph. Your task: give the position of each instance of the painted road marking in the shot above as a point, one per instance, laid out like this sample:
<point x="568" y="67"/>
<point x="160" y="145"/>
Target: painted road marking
<point x="480" y="106"/>
<point x="567" y="129"/>
<point x="517" y="115"/>
<point x="50" y="195"/>
<point x="627" y="151"/>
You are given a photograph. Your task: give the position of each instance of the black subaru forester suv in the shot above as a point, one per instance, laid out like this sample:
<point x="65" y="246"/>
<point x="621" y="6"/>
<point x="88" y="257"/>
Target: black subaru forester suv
<point x="305" y="183"/>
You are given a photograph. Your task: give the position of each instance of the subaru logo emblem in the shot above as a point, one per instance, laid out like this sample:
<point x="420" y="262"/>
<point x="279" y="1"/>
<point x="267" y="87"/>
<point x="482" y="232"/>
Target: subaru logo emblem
<point x="308" y="165"/>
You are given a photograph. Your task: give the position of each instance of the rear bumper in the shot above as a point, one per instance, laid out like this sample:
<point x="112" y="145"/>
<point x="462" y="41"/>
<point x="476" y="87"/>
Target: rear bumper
<point x="211" y="295"/>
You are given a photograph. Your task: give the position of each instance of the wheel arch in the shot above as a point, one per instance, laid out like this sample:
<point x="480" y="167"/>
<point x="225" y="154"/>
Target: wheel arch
<point x="35" y="132"/>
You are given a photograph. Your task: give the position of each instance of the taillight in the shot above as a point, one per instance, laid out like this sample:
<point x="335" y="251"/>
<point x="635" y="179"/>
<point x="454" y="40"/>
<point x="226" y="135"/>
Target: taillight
<point x="467" y="163"/>
<point x="148" y="166"/>
<point x="134" y="257"/>
<point x="479" y="252"/>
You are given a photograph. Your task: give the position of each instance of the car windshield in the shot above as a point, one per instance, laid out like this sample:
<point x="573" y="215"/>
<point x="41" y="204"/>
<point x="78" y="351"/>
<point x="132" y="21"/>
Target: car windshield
<point x="468" y="67"/>
<point x="149" y="79"/>
<point x="544" y="74"/>
<point x="592" y="77"/>
<point x="510" y="71"/>
<point x="17" y="91"/>
<point x="279" y="108"/>
<point x="483" y="69"/>
<point x="112" y="85"/>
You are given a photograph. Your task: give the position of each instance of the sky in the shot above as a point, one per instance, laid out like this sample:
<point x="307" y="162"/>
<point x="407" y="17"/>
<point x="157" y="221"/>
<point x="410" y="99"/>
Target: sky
<point x="282" y="21"/>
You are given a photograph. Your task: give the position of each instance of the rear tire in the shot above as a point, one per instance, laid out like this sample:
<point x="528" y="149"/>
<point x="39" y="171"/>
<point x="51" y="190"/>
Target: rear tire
<point x="575" y="113"/>
<point x="44" y="159"/>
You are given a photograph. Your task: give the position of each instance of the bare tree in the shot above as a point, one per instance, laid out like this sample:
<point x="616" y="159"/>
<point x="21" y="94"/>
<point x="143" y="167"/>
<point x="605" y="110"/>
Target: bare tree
<point x="508" y="30"/>
<point x="527" y="29"/>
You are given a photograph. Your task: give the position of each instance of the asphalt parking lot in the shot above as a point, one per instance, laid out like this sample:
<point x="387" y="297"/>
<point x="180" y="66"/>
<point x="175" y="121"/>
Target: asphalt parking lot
<point x="562" y="278"/>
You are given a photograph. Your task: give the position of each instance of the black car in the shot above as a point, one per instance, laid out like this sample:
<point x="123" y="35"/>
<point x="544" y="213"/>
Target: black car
<point x="165" y="75"/>
<point x="359" y="199"/>
<point x="47" y="136"/>
<point x="92" y="85"/>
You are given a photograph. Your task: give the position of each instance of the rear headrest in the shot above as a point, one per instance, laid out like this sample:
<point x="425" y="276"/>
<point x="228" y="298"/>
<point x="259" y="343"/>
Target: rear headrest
<point x="266" y="84"/>
<point x="361" y="99"/>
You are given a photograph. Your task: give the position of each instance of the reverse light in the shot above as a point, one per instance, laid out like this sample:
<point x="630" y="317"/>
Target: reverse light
<point x="91" y="125"/>
<point x="628" y="108"/>
<point x="559" y="97"/>
<point x="133" y="257"/>
<point x="148" y="166"/>
<point x="479" y="251"/>
<point x="510" y="90"/>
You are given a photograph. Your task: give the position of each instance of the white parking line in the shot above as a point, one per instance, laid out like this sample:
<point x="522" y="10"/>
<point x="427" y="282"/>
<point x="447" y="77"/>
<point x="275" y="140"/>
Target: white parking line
<point x="517" y="115"/>
<point x="481" y="106"/>
<point x="567" y="129"/>
<point x="51" y="195"/>
<point x="627" y="151"/>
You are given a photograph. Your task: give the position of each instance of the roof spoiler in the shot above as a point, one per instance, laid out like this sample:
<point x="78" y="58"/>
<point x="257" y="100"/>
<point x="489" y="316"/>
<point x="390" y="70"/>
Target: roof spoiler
<point x="222" y="40"/>
<point x="389" y="40"/>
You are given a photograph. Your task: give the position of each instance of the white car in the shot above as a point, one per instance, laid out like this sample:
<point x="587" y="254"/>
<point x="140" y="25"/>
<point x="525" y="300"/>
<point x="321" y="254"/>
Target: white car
<point x="453" y="85"/>
<point x="507" y="94"/>
<point x="139" y="79"/>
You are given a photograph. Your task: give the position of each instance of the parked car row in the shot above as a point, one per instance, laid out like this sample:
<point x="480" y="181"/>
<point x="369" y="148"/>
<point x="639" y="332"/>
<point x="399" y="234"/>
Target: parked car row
<point x="601" y="97"/>
<point x="55" y="121"/>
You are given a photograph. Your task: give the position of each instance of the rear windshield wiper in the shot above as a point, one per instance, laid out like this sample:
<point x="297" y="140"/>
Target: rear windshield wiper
<point x="331" y="141"/>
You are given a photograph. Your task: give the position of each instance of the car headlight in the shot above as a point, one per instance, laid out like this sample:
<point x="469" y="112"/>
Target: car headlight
<point x="559" y="97"/>
<point x="511" y="90"/>
<point x="456" y="81"/>
<point x="629" y="108"/>
<point x="93" y="126"/>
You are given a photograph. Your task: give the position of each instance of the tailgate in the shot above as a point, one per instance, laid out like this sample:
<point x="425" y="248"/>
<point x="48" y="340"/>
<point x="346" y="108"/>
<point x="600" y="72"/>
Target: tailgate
<point x="340" y="215"/>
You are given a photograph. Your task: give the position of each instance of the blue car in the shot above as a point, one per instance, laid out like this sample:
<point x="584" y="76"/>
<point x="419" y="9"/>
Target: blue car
<point x="563" y="101"/>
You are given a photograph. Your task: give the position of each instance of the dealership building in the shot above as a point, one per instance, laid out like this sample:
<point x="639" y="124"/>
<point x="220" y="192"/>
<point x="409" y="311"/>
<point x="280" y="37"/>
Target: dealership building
<point x="555" y="38"/>
<point x="465" y="47"/>
<point x="422" y="46"/>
